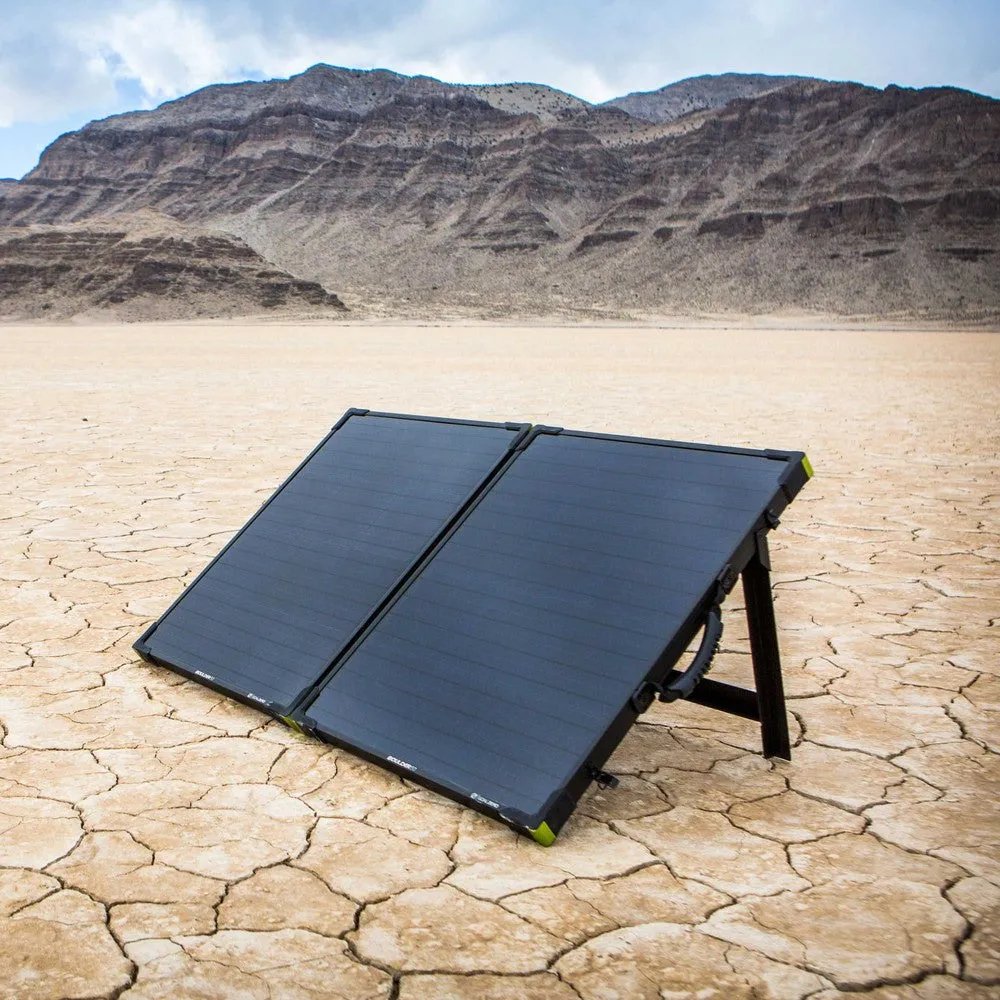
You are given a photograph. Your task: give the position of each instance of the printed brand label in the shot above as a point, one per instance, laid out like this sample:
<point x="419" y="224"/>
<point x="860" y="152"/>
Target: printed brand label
<point x="476" y="797"/>
<point x="208" y="677"/>
<point x="262" y="701"/>
<point x="401" y="763"/>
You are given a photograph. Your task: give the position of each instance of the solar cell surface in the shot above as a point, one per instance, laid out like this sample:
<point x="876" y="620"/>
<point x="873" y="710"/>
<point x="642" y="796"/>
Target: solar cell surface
<point x="271" y="612"/>
<point x="500" y="666"/>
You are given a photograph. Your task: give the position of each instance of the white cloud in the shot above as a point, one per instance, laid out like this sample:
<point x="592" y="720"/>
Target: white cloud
<point x="168" y="48"/>
<point x="59" y="57"/>
<point x="43" y="71"/>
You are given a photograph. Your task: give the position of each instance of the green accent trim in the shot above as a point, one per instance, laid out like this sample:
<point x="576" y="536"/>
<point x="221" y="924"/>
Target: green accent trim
<point x="807" y="465"/>
<point x="292" y="724"/>
<point x="543" y="835"/>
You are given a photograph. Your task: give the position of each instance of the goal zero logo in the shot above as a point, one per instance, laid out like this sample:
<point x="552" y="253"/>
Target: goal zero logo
<point x="208" y="677"/>
<point x="261" y="701"/>
<point x="401" y="763"/>
<point x="476" y="797"/>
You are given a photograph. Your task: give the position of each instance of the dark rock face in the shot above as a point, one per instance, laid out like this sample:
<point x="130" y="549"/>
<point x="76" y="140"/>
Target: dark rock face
<point x="978" y="207"/>
<point x="971" y="254"/>
<point x="518" y="229"/>
<point x="598" y="239"/>
<point x="873" y="216"/>
<point x="399" y="189"/>
<point x="73" y="271"/>
<point x="745" y="225"/>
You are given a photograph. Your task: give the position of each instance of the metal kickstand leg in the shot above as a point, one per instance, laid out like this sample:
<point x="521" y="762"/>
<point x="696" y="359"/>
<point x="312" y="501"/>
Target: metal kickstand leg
<point x="764" y="650"/>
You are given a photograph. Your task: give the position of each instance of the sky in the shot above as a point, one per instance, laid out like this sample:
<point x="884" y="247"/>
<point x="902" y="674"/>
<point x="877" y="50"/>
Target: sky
<point x="66" y="62"/>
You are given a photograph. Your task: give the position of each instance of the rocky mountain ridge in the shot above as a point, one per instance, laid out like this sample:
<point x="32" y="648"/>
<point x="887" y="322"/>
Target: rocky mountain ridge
<point x="699" y="93"/>
<point x="406" y="194"/>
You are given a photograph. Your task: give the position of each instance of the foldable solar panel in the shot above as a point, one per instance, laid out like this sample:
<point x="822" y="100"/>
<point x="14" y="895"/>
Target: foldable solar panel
<point x="487" y="610"/>
<point x="522" y="648"/>
<point x="272" y="611"/>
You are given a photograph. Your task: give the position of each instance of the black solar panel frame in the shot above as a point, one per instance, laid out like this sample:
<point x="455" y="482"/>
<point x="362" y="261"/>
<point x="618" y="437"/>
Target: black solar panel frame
<point x="286" y="712"/>
<point x="563" y="801"/>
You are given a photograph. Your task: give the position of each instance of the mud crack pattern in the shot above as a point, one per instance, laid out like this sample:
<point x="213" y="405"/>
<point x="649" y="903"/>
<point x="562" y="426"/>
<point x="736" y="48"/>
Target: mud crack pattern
<point x="158" y="840"/>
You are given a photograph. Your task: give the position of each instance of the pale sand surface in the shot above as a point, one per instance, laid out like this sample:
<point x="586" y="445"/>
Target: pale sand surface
<point x="159" y="840"/>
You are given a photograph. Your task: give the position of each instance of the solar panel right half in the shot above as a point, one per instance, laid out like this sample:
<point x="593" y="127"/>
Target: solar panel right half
<point x="535" y="633"/>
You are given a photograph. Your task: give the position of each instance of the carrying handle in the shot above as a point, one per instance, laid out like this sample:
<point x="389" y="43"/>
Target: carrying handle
<point x="682" y="686"/>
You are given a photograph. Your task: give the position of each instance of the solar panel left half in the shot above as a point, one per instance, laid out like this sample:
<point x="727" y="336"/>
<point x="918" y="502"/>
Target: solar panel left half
<point x="268" y="616"/>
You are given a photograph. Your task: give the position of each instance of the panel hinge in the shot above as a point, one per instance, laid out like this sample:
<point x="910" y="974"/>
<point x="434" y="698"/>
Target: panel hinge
<point x="536" y="431"/>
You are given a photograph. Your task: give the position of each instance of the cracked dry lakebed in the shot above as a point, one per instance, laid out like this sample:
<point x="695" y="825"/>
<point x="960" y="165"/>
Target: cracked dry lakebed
<point x="158" y="840"/>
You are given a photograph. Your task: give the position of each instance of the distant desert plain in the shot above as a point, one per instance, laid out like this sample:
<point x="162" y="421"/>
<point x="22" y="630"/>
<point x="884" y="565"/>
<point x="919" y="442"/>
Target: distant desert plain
<point x="159" y="840"/>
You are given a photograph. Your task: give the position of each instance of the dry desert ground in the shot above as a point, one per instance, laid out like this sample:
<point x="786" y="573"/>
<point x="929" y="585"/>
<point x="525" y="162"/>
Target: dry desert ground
<point x="159" y="840"/>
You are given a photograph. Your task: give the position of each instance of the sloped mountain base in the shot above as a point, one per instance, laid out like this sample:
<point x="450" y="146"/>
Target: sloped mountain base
<point x="57" y="272"/>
